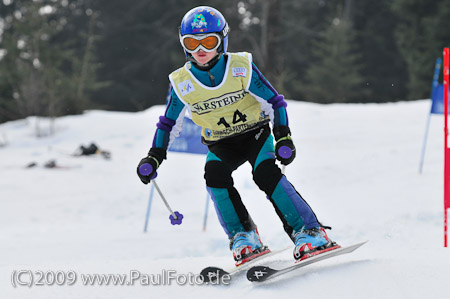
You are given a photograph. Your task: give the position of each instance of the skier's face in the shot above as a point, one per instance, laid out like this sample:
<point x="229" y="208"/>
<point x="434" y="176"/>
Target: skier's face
<point x="203" y="57"/>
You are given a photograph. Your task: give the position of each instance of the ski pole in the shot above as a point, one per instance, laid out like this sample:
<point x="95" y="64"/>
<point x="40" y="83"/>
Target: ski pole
<point x="149" y="206"/>
<point x="175" y="217"/>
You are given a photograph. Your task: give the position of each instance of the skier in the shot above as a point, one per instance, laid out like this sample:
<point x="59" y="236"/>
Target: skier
<point x="231" y="100"/>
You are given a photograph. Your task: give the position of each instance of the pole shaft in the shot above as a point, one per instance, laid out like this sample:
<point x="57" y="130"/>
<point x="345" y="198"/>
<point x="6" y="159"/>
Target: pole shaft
<point x="149" y="206"/>
<point x="164" y="199"/>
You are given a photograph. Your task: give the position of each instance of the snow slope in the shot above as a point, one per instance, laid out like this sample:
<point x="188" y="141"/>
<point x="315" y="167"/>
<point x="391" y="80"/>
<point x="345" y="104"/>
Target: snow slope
<point x="357" y="166"/>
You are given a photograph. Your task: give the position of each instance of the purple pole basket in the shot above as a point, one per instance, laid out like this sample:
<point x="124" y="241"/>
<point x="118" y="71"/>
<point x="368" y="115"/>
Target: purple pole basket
<point x="178" y="220"/>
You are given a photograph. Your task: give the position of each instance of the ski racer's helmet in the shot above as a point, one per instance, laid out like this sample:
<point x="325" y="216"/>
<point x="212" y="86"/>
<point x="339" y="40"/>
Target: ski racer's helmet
<point x="203" y="28"/>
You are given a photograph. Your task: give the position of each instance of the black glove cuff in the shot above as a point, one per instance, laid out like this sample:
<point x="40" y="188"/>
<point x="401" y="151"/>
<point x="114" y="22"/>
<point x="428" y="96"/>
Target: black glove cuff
<point x="281" y="131"/>
<point x="159" y="154"/>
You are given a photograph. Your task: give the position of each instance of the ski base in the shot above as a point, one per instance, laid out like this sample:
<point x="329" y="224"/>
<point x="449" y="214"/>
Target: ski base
<point x="263" y="273"/>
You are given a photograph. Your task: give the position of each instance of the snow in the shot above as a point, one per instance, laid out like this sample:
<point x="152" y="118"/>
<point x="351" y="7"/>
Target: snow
<point x="357" y="166"/>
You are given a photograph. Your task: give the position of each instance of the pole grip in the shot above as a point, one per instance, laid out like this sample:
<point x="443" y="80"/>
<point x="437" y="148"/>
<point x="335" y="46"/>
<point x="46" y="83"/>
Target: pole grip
<point x="145" y="169"/>
<point x="285" y="152"/>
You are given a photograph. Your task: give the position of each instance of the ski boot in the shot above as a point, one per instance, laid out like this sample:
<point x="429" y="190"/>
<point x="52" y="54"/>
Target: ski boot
<point x="247" y="246"/>
<point x="310" y="242"/>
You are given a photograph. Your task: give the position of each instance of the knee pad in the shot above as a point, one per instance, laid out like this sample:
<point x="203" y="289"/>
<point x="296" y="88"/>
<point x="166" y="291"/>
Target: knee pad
<point x="218" y="175"/>
<point x="267" y="175"/>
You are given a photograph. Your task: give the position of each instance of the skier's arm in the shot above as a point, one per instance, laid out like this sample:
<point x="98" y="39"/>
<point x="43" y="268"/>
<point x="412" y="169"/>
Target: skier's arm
<point x="164" y="134"/>
<point x="262" y="89"/>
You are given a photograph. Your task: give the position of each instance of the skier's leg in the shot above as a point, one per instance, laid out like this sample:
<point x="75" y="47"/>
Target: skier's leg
<point x="292" y="209"/>
<point x="298" y="219"/>
<point x="232" y="214"/>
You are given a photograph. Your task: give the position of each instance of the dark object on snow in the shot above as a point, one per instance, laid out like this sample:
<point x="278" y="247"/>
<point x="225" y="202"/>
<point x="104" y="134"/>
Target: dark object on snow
<point x="31" y="165"/>
<point x="92" y="149"/>
<point x="50" y="164"/>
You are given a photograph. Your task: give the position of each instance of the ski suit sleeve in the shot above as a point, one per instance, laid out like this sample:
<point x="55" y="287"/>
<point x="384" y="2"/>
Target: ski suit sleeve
<point x="169" y="125"/>
<point x="260" y="87"/>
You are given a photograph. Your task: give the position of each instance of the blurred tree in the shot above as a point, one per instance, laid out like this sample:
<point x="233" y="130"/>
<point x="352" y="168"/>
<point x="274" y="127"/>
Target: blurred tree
<point x="421" y="35"/>
<point x="336" y="74"/>
<point x="64" y="56"/>
<point x="383" y="66"/>
<point x="260" y="23"/>
<point x="48" y="69"/>
<point x="303" y="22"/>
<point x="437" y="33"/>
<point x="140" y="47"/>
<point x="138" y="50"/>
<point x="24" y="42"/>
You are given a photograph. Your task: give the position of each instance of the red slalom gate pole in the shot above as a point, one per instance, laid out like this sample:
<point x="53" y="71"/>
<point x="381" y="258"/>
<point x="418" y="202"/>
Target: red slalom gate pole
<point x="446" y="150"/>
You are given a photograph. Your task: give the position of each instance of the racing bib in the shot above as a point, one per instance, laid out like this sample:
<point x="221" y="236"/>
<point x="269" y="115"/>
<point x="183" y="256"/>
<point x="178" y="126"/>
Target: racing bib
<point x="226" y="109"/>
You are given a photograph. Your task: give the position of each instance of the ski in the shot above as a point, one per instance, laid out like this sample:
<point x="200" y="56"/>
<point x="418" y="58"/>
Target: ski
<point x="263" y="273"/>
<point x="213" y="274"/>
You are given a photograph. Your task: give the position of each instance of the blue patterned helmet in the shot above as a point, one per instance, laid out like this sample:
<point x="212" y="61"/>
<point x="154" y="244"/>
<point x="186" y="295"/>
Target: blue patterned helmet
<point x="202" y="21"/>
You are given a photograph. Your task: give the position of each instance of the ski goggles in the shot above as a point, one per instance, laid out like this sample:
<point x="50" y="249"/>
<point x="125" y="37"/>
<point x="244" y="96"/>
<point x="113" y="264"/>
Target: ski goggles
<point x="194" y="42"/>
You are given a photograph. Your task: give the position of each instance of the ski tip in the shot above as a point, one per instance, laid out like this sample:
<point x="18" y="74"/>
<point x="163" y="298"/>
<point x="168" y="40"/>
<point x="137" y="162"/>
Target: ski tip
<point x="361" y="243"/>
<point x="351" y="248"/>
<point x="259" y="273"/>
<point x="212" y="274"/>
